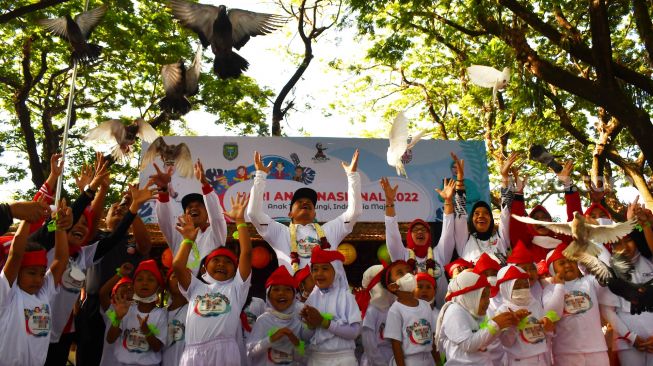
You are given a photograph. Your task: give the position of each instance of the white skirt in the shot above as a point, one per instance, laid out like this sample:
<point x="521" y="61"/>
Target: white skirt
<point x="219" y="351"/>
<point x="341" y="358"/>
<point x="417" y="359"/>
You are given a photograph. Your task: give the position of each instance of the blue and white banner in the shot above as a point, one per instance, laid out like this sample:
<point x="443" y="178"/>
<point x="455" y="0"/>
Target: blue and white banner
<point x="316" y="162"/>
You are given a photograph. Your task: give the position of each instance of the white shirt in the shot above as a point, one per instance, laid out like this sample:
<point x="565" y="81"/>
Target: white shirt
<point x="442" y="252"/>
<point x="471" y="248"/>
<point x="640" y="325"/>
<point x="26" y="322"/>
<point x="378" y="348"/>
<point x="530" y="341"/>
<point x="577" y="304"/>
<point x="412" y="326"/>
<point x="262" y="352"/>
<point x="278" y="234"/>
<point x="214" y="309"/>
<point x="108" y="353"/>
<point x="213" y="237"/>
<point x="462" y="338"/>
<point x="132" y="347"/>
<point x="176" y="336"/>
<point x="64" y="301"/>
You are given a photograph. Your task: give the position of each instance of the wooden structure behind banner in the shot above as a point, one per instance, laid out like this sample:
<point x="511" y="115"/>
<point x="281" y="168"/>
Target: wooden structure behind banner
<point x="366" y="238"/>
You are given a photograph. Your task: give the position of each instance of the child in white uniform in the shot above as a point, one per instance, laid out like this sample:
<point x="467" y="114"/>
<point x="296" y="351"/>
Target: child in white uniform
<point x="461" y="331"/>
<point x="26" y="288"/>
<point x="305" y="284"/>
<point x="215" y="302"/>
<point x="579" y="339"/>
<point x="118" y="287"/>
<point x="177" y="314"/>
<point x="418" y="249"/>
<point x="278" y="337"/>
<point x="409" y="325"/>
<point x="293" y="244"/>
<point x="426" y="290"/>
<point x="523" y="258"/>
<point x="140" y="328"/>
<point x="374" y="302"/>
<point x="332" y="311"/>
<point x="527" y="343"/>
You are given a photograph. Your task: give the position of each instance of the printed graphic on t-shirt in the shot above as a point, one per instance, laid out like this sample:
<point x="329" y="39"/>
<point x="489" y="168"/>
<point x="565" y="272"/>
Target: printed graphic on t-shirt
<point x="37" y="321"/>
<point x="72" y="279"/>
<point x="420" y="332"/>
<point x="421" y="267"/>
<point x="305" y="246"/>
<point x="577" y="302"/>
<point x="533" y="332"/>
<point x="176" y="331"/>
<point x="251" y="317"/>
<point x="381" y="329"/>
<point x="211" y="304"/>
<point x="133" y="340"/>
<point x="279" y="357"/>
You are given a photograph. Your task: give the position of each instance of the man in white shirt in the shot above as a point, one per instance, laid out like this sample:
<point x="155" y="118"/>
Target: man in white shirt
<point x="293" y="244"/>
<point x="205" y="211"/>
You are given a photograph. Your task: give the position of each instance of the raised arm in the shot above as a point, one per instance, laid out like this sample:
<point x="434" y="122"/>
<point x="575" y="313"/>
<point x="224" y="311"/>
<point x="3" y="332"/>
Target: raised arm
<point x="61" y="256"/>
<point x="213" y="208"/>
<point x="393" y="240"/>
<point x="447" y="242"/>
<point x="164" y="212"/>
<point x="237" y="213"/>
<point x="16" y="252"/>
<point x="105" y="291"/>
<point x="572" y="197"/>
<point x="461" y="232"/>
<point x="189" y="232"/>
<point x="354" y="199"/>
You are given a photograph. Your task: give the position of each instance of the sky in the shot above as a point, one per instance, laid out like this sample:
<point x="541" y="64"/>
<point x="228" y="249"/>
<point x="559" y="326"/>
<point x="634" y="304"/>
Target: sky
<point x="271" y="66"/>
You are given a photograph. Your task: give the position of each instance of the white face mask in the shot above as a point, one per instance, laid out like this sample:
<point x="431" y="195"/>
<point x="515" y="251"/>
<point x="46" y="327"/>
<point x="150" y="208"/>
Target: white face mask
<point x="521" y="297"/>
<point x="147" y="300"/>
<point x="492" y="280"/>
<point x="383" y="300"/>
<point x="407" y="283"/>
<point x="208" y="279"/>
<point x="604" y="221"/>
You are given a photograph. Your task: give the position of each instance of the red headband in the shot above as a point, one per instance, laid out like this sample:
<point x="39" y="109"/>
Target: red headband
<point x="34" y="258"/>
<point x="280" y="277"/>
<point x="301" y="275"/>
<point x="457" y="263"/>
<point x="222" y="252"/>
<point x="422" y="276"/>
<point x="122" y="281"/>
<point x="321" y="256"/>
<point x="556" y="254"/>
<point x="513" y="273"/>
<point x="389" y="267"/>
<point x="484" y="263"/>
<point x="150" y="266"/>
<point x="480" y="283"/>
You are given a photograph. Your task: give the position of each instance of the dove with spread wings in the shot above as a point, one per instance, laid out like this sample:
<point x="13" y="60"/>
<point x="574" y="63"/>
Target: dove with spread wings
<point x="224" y="30"/>
<point x="124" y="137"/>
<point x="77" y="32"/>
<point x="177" y="155"/>
<point x="399" y="143"/>
<point x="180" y="83"/>
<point x="489" y="77"/>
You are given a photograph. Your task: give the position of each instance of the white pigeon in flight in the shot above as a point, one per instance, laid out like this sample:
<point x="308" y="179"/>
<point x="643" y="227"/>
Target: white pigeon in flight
<point x="399" y="142"/>
<point x="489" y="77"/>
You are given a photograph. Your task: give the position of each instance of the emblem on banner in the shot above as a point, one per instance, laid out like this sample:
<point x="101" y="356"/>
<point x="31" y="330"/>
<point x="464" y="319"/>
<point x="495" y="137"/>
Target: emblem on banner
<point x="230" y="150"/>
<point x="320" y="156"/>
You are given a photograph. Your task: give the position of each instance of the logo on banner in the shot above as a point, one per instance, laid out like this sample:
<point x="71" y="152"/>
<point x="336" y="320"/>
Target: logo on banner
<point x="212" y="304"/>
<point x="230" y="150"/>
<point x="419" y="332"/>
<point x="320" y="156"/>
<point x="37" y="321"/>
<point x="577" y="302"/>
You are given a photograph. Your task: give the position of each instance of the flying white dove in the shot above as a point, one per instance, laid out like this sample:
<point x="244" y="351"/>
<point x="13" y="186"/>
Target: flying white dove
<point x="586" y="236"/>
<point x="114" y="131"/>
<point x="489" y="77"/>
<point x="398" y="142"/>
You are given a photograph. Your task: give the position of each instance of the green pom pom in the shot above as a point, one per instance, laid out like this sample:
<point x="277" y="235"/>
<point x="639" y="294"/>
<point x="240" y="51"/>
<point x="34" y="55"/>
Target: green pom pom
<point x="153" y="329"/>
<point x="485" y="324"/>
<point x="272" y="331"/>
<point x="552" y="316"/>
<point x="301" y="348"/>
<point x="523" y="323"/>
<point x="327" y="316"/>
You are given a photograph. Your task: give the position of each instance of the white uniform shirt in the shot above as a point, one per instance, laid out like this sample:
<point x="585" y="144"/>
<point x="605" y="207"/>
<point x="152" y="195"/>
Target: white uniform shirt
<point x="577" y="304"/>
<point x="176" y="336"/>
<point x="470" y="248"/>
<point x="26" y="322"/>
<point x="214" y="309"/>
<point x="262" y="352"/>
<point x="642" y="324"/>
<point x="278" y="234"/>
<point x="374" y="321"/>
<point x="132" y="347"/>
<point x="64" y="301"/>
<point x="108" y="353"/>
<point x="463" y="340"/>
<point x="413" y="326"/>
<point x="529" y="341"/>
<point x="442" y="252"/>
<point x="213" y="237"/>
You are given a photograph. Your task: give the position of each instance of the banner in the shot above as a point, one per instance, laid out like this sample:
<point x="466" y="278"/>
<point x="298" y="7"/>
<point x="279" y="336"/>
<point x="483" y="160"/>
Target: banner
<point x="316" y="163"/>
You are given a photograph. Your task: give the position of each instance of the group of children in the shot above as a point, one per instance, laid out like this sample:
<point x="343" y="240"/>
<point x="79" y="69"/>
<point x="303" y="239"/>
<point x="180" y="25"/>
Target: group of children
<point x="510" y="298"/>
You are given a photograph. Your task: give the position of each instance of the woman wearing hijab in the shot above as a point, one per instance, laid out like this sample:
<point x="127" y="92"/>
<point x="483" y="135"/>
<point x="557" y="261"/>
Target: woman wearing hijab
<point x="461" y="331"/>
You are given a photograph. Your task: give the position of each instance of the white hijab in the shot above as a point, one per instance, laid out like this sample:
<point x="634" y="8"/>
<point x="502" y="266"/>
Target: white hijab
<point x="469" y="300"/>
<point x="381" y="298"/>
<point x="337" y="300"/>
<point x="505" y="288"/>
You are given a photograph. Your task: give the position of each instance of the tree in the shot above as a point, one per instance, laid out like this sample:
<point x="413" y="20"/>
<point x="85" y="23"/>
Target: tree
<point x="312" y="20"/>
<point x="564" y="76"/>
<point x="138" y="38"/>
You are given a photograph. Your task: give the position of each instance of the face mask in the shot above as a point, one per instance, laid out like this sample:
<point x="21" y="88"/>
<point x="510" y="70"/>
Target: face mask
<point x="146" y="300"/>
<point x="381" y="298"/>
<point x="604" y="221"/>
<point x="208" y="279"/>
<point x="492" y="280"/>
<point x="521" y="297"/>
<point x="407" y="283"/>
<point x="432" y="301"/>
